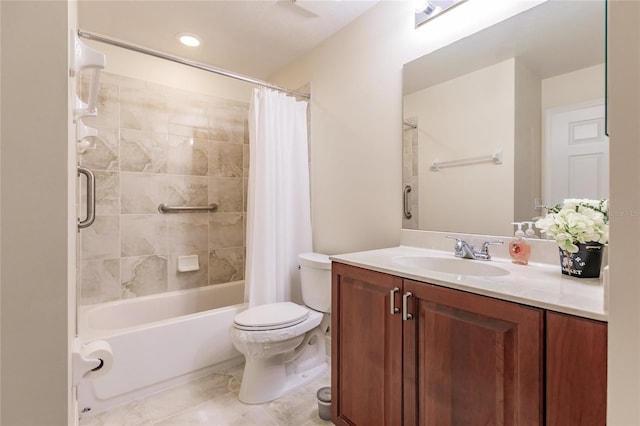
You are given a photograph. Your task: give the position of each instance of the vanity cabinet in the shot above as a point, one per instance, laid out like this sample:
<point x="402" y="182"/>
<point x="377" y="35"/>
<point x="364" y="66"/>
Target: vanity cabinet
<point x="469" y="359"/>
<point x="366" y="358"/>
<point x="576" y="372"/>
<point x="458" y="358"/>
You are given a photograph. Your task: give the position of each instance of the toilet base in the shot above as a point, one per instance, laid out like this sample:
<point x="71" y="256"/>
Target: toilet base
<point x="266" y="379"/>
<point x="263" y="390"/>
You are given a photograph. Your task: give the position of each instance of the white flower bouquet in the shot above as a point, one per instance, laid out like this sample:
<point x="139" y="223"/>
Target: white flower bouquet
<point x="577" y="221"/>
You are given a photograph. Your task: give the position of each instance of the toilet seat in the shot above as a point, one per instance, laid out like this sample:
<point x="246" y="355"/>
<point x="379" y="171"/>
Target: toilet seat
<point x="272" y="316"/>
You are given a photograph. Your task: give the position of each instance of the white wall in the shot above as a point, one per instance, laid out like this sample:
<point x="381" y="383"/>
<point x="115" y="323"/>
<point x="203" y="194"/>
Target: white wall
<point x="34" y="191"/>
<point x="573" y="87"/>
<point x="624" y="250"/>
<point x="468" y="116"/>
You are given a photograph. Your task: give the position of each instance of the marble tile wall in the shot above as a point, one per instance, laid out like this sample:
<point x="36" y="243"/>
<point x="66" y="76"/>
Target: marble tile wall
<point x="158" y="145"/>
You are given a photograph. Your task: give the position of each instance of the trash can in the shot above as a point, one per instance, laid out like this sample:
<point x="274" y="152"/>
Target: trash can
<point x="324" y="403"/>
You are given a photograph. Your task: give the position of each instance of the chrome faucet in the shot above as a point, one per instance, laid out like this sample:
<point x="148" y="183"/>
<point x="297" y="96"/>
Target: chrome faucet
<point x="464" y="250"/>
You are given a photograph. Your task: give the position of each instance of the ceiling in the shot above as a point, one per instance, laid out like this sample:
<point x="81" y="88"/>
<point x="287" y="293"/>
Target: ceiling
<point x="254" y="38"/>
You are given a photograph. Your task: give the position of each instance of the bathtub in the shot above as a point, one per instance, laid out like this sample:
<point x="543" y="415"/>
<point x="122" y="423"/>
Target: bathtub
<point x="158" y="341"/>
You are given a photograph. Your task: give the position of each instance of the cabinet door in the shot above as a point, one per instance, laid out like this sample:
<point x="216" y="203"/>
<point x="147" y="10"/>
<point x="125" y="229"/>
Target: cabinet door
<point x="576" y="371"/>
<point x="366" y="370"/>
<point x="470" y="360"/>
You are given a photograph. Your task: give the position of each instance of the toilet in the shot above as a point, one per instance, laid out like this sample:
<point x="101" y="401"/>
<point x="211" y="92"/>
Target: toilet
<point x="284" y="343"/>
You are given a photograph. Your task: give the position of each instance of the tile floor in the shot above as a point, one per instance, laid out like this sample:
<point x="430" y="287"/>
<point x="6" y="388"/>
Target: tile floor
<point x="213" y="401"/>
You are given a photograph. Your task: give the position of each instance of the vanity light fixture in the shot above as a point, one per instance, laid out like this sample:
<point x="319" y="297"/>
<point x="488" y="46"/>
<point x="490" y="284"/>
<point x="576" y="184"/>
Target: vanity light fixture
<point x="428" y="9"/>
<point x="190" y="40"/>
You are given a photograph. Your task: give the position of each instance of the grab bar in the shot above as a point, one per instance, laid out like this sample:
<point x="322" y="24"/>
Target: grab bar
<point x="407" y="213"/>
<point x="163" y="208"/>
<point x="91" y="198"/>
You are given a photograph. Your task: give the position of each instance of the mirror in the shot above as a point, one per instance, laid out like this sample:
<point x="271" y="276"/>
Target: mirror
<point x="507" y="120"/>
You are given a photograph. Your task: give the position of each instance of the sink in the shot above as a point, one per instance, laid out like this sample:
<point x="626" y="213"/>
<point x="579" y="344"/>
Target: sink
<point x="451" y="266"/>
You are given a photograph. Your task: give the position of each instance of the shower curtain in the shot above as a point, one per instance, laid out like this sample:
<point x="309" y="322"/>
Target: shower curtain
<point x="278" y="204"/>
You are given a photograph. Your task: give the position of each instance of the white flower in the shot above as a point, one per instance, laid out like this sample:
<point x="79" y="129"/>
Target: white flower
<point x="577" y="221"/>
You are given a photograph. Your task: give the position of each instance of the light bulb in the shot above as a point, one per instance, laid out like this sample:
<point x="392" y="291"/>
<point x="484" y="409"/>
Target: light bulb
<point x="190" y="40"/>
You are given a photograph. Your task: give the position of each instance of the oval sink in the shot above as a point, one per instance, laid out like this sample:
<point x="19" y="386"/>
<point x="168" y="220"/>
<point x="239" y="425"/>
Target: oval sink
<point x="451" y="266"/>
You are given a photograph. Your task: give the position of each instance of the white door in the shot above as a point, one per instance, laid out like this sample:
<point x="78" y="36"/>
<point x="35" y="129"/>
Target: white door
<point x="576" y="153"/>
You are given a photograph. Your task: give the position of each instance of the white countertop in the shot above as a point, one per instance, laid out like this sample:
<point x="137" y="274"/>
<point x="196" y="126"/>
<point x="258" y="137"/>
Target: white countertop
<point x="537" y="284"/>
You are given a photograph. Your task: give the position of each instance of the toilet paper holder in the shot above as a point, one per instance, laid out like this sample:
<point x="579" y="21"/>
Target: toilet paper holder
<point x="91" y="360"/>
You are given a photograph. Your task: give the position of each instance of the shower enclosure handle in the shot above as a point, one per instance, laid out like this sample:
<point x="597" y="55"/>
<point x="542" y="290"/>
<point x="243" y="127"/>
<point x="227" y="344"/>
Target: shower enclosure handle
<point x="407" y="190"/>
<point x="91" y="198"/>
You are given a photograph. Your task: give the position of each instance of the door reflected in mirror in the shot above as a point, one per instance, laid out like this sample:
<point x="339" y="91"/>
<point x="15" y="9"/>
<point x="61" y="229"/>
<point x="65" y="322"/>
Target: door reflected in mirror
<point x="531" y="88"/>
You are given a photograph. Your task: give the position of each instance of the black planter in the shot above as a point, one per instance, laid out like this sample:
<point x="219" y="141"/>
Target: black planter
<point x="583" y="264"/>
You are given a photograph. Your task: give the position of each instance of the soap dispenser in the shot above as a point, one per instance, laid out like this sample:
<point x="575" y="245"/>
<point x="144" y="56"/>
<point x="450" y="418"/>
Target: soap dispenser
<point x="530" y="232"/>
<point x="519" y="248"/>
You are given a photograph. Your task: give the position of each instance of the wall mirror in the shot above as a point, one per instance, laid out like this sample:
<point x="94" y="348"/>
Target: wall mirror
<point x="506" y="120"/>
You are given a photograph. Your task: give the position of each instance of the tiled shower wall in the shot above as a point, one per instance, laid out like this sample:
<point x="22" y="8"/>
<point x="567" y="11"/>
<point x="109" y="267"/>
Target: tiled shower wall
<point x="162" y="145"/>
<point x="410" y="170"/>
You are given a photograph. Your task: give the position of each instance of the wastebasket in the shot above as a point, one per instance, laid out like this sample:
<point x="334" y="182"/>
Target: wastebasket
<point x="324" y="403"/>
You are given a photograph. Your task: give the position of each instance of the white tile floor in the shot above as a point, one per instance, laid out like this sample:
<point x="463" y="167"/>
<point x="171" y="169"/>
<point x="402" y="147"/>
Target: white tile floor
<point x="213" y="401"/>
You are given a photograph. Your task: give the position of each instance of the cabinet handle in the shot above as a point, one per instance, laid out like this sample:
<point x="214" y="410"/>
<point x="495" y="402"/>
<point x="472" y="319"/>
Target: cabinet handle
<point x="405" y="306"/>
<point x="392" y="304"/>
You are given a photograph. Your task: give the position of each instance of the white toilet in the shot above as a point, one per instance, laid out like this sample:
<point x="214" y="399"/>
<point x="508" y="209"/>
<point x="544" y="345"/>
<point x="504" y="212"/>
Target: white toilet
<point x="284" y="343"/>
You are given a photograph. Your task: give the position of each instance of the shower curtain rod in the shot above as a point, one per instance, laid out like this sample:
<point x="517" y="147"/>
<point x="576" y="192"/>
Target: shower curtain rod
<point x="161" y="55"/>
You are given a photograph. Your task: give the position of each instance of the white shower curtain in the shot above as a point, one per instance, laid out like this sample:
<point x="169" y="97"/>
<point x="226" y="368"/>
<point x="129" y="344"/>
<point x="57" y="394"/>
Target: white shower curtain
<point x="278" y="204"/>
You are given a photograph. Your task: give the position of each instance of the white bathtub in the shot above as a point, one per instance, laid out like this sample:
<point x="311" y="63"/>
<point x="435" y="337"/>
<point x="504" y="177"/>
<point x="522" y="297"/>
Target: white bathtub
<point x="158" y="341"/>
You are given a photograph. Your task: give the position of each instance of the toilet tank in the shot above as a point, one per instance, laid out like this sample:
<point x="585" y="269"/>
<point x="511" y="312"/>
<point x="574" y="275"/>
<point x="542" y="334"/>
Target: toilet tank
<point x="315" y="278"/>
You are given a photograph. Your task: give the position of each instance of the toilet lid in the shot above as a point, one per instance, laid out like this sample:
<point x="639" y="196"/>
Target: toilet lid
<point x="272" y="315"/>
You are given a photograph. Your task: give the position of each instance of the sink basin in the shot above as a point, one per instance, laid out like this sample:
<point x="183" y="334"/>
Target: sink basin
<point x="451" y="266"/>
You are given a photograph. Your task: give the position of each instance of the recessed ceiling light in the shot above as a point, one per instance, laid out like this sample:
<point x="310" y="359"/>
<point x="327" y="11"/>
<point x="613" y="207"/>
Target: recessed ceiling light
<point x="190" y="40"/>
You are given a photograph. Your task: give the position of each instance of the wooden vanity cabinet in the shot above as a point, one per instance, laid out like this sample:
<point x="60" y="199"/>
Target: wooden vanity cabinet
<point x="458" y="358"/>
<point x="470" y="359"/>
<point x="576" y="371"/>
<point x="366" y="348"/>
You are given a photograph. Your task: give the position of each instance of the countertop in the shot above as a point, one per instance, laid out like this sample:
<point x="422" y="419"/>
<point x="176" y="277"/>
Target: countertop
<point x="537" y="284"/>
